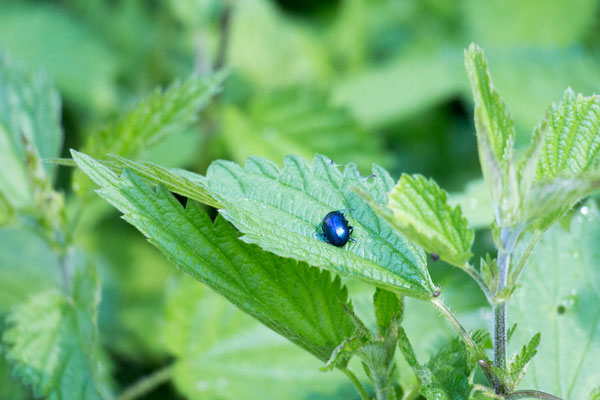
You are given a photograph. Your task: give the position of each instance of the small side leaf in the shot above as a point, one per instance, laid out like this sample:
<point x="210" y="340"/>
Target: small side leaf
<point x="495" y="138"/>
<point x="518" y="363"/>
<point x="388" y="308"/>
<point x="421" y="212"/>
<point x="52" y="342"/>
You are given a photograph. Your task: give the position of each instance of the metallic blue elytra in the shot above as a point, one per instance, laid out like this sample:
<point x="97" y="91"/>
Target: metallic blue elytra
<point x="336" y="229"/>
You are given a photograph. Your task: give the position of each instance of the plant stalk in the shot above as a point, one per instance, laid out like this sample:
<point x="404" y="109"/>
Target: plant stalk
<point x="147" y="384"/>
<point x="359" y="387"/>
<point x="531" y="394"/>
<point x="499" y="309"/>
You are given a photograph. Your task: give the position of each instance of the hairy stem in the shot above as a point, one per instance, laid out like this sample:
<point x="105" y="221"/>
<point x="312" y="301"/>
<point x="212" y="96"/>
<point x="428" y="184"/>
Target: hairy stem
<point x="359" y="387"/>
<point x="147" y="384"/>
<point x="531" y="394"/>
<point x="499" y="309"/>
<point x="454" y="322"/>
<point x="382" y="387"/>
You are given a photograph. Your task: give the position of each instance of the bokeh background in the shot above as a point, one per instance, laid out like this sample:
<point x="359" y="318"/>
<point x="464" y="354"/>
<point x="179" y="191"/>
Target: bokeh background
<point x="358" y="80"/>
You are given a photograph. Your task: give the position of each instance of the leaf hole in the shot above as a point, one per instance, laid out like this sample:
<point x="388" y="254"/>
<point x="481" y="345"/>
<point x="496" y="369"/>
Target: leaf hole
<point x="561" y="309"/>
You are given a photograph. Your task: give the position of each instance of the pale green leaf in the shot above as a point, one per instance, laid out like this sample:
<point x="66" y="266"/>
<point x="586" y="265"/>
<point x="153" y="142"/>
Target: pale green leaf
<point x="595" y="394"/>
<point x="540" y="23"/>
<point x="221" y="353"/>
<point x="52" y="342"/>
<point x="421" y="212"/>
<point x="572" y="144"/>
<point x="27" y="266"/>
<point x="157" y="116"/>
<point x="295" y="300"/>
<point x="30" y="108"/>
<point x="281" y="211"/>
<point x="301" y="121"/>
<point x="559" y="298"/>
<point x="495" y="138"/>
<point x="519" y="361"/>
<point x="399" y="88"/>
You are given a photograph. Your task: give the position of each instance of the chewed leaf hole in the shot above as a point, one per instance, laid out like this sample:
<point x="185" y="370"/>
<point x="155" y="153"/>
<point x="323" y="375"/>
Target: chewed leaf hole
<point x="561" y="309"/>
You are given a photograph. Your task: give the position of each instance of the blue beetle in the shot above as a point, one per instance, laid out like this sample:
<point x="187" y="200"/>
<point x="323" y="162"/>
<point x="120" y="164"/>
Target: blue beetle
<point x="335" y="229"/>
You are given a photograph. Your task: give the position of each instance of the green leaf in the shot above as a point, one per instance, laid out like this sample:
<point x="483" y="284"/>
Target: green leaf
<point x="27" y="266"/>
<point x="572" y="144"/>
<point x="295" y="300"/>
<point x="495" y="138"/>
<point x="567" y="159"/>
<point x="299" y="121"/>
<point x="421" y="212"/>
<point x="12" y="389"/>
<point x="388" y="309"/>
<point x="185" y="183"/>
<point x="519" y="361"/>
<point x="447" y="375"/>
<point x="536" y="23"/>
<point x="52" y="342"/>
<point x="221" y="353"/>
<point x="154" y="118"/>
<point x="281" y="211"/>
<point x="29" y="107"/>
<point x="595" y="394"/>
<point x="397" y="89"/>
<point x="559" y="298"/>
<point x="451" y="373"/>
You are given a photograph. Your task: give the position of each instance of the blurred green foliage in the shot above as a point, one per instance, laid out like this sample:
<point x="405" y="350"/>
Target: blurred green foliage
<point x="358" y="80"/>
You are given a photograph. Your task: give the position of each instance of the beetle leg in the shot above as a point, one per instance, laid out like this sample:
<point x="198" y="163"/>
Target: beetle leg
<point x="322" y="237"/>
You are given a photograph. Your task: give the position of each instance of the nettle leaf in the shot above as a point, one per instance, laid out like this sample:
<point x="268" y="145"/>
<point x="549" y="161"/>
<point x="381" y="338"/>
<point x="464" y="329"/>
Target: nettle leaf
<point x="421" y="212"/>
<point x="185" y="183"/>
<point x="388" y="309"/>
<point x="52" y="342"/>
<point x="572" y="143"/>
<point x="495" y="138"/>
<point x="448" y="374"/>
<point x="567" y="165"/>
<point x="297" y="301"/>
<point x="559" y="298"/>
<point x="157" y="116"/>
<point x="519" y="361"/>
<point x="595" y="394"/>
<point x="299" y="121"/>
<point x="222" y="353"/>
<point x="28" y="265"/>
<point x="29" y="108"/>
<point x="281" y="211"/>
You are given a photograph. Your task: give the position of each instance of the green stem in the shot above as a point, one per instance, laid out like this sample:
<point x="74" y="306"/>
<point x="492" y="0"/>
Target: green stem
<point x="147" y="384"/>
<point x="359" y="387"/>
<point x="477" y="278"/>
<point x="531" y="394"/>
<point x="454" y="322"/>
